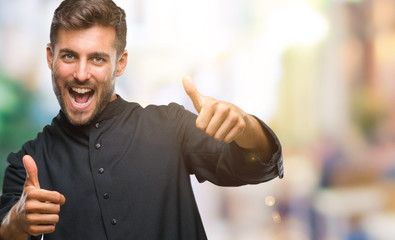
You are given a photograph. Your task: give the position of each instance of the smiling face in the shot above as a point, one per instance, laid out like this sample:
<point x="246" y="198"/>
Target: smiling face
<point x="84" y="66"/>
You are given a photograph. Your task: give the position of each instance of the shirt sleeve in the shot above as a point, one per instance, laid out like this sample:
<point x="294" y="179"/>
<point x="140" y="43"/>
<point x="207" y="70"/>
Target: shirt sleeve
<point x="221" y="163"/>
<point x="14" y="179"/>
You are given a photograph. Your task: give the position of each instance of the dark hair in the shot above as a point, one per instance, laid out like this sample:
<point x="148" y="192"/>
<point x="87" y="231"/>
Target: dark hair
<point x="82" y="14"/>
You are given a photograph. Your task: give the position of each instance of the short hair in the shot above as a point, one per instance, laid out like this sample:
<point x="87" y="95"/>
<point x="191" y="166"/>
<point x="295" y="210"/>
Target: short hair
<point x="83" y="14"/>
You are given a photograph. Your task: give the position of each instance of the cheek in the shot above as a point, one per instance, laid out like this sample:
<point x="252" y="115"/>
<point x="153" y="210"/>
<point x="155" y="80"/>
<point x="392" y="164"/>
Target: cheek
<point x="62" y="71"/>
<point x="103" y="75"/>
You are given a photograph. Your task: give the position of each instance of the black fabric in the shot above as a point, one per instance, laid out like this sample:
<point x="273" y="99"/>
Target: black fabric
<point x="127" y="175"/>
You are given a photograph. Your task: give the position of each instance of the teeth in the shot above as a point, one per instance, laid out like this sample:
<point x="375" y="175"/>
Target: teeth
<point x="81" y="90"/>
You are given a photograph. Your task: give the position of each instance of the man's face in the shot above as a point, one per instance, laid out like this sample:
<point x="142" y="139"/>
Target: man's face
<point x="84" y="67"/>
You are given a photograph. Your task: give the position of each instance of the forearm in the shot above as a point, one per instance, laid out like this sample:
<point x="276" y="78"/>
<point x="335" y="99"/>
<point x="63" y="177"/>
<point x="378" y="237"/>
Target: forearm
<point x="9" y="228"/>
<point x="254" y="138"/>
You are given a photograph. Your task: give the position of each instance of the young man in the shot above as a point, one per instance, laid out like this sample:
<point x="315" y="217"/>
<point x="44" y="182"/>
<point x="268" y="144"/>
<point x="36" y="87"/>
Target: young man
<point x="109" y="169"/>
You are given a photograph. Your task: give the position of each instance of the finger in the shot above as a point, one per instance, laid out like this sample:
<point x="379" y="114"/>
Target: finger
<point x="31" y="172"/>
<point x="42" y="219"/>
<point x="234" y="132"/>
<point x="36" y="230"/>
<point x="191" y="90"/>
<point x="231" y="127"/>
<point x="46" y="196"/>
<point x="42" y="207"/>
<point x="62" y="199"/>
<point x="204" y="117"/>
<point x="225" y="128"/>
<point x="216" y="122"/>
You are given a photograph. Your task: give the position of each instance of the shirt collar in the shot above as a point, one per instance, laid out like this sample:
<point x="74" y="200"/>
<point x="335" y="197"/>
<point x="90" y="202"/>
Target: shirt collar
<point x="112" y="109"/>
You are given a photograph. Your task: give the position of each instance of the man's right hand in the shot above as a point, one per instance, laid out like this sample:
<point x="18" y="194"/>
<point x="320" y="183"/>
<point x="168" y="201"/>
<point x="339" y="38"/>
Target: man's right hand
<point x="37" y="211"/>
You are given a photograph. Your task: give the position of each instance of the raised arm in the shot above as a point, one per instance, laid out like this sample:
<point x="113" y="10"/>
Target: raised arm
<point x="226" y="122"/>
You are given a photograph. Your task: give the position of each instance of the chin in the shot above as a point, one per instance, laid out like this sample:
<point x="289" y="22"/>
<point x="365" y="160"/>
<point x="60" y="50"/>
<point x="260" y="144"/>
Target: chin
<point x="79" y="119"/>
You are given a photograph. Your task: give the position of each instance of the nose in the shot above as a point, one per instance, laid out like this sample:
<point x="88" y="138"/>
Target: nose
<point x="81" y="72"/>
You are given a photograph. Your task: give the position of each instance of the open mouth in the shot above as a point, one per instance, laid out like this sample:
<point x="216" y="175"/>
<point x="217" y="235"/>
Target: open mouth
<point x="80" y="98"/>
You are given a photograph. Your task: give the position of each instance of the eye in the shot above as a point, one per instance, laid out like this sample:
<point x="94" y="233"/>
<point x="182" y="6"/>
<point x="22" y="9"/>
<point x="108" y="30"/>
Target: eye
<point x="68" y="57"/>
<point x="98" y="60"/>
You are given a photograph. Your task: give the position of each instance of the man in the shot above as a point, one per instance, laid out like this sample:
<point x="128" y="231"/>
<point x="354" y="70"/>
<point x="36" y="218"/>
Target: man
<point x="109" y="169"/>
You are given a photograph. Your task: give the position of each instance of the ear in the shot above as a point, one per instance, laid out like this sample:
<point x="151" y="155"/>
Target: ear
<point x="123" y="61"/>
<point x="49" y="56"/>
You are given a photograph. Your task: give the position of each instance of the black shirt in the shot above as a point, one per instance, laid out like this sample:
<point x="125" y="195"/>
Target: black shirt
<point x="126" y="175"/>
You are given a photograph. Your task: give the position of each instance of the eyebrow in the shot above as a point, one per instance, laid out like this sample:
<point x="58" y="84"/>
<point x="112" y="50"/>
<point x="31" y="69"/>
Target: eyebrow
<point x="67" y="50"/>
<point x="100" y="54"/>
<point x="94" y="54"/>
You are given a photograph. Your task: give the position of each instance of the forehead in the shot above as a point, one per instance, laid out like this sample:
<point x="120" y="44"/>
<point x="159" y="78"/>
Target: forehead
<point x="96" y="38"/>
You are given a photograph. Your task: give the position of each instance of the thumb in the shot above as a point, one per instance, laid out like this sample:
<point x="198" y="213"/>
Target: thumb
<point x="31" y="172"/>
<point x="191" y="90"/>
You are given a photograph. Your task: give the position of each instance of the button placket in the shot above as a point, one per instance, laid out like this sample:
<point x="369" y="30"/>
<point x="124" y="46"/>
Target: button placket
<point x="100" y="173"/>
<point x="98" y="166"/>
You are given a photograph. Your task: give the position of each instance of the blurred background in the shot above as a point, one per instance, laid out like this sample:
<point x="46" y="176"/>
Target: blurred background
<point x="319" y="72"/>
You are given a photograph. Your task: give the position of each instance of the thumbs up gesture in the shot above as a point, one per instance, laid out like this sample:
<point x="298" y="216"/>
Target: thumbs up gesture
<point x="221" y="120"/>
<point x="37" y="211"/>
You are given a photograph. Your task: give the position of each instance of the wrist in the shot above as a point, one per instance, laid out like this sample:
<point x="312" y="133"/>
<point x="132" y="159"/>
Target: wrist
<point x="11" y="227"/>
<point x="256" y="139"/>
<point x="252" y="136"/>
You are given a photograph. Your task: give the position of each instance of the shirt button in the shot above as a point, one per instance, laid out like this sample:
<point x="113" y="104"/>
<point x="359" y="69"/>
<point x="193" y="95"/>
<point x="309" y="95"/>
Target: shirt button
<point x="97" y="146"/>
<point x="114" y="221"/>
<point x="106" y="195"/>
<point x="101" y="170"/>
<point x="97" y="125"/>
